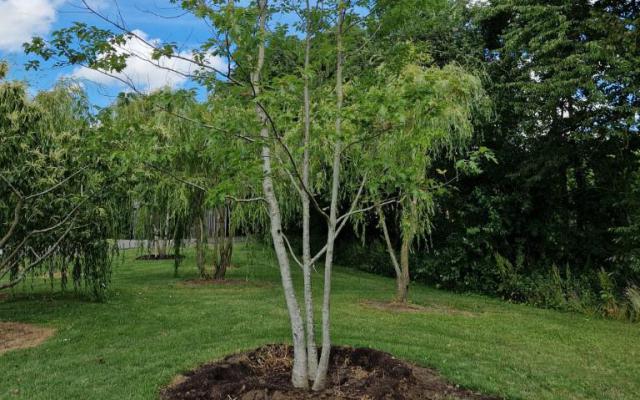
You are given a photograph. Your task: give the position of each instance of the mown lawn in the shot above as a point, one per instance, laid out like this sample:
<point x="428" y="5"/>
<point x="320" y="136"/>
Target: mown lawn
<point x="153" y="327"/>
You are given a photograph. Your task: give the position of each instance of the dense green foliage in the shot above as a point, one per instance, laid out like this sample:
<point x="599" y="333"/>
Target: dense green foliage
<point x="155" y="327"/>
<point x="54" y="217"/>
<point x="554" y="221"/>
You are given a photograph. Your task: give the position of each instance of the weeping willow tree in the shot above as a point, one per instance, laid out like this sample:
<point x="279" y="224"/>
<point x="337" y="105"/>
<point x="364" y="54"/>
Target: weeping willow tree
<point x="159" y="205"/>
<point x="421" y="113"/>
<point x="54" y="212"/>
<point x="183" y="177"/>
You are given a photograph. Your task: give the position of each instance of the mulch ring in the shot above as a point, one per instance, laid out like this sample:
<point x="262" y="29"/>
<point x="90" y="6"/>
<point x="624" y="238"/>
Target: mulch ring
<point x="415" y="308"/>
<point x="355" y="374"/>
<point x="16" y="335"/>
<point x="155" y="257"/>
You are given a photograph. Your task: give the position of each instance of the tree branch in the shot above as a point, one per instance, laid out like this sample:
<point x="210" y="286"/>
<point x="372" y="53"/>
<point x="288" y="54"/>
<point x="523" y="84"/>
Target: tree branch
<point x="361" y="210"/>
<point x="14" y="223"/>
<point x="146" y="42"/>
<point x="179" y="179"/>
<point x="293" y="255"/>
<point x="57" y="185"/>
<point x="37" y="261"/>
<point x="246" y="200"/>
<point x="387" y="239"/>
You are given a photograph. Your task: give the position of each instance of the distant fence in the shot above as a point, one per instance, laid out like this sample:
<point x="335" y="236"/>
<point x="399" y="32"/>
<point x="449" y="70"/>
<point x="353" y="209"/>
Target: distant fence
<point x="124" y="244"/>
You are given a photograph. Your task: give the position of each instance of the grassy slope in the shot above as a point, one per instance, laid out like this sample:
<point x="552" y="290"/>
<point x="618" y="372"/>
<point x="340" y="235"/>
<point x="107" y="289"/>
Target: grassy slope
<point x="152" y="329"/>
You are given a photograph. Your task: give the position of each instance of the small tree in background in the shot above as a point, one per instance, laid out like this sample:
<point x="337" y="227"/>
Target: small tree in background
<point x="421" y="113"/>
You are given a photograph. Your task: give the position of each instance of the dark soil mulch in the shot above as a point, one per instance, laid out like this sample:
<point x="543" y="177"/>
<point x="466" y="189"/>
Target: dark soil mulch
<point x="362" y="374"/>
<point x="154" y="257"/>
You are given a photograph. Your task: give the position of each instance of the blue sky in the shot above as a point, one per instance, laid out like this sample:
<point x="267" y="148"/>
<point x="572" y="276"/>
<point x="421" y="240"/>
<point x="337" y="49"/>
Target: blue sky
<point x="21" y="19"/>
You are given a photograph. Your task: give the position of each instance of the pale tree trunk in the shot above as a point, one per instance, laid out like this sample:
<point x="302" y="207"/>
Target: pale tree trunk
<point x="216" y="241"/>
<point x="403" y="279"/>
<point x="299" y="377"/>
<point x="226" y="251"/>
<point x="312" y="351"/>
<point x="323" y="365"/>
<point x="201" y="245"/>
<point x="156" y="240"/>
<point x="400" y="286"/>
<point x="163" y="241"/>
<point x="407" y="239"/>
<point x="224" y="243"/>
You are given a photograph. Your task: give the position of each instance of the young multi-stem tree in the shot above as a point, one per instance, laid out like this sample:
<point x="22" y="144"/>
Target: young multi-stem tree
<point x="307" y="367"/>
<point x="425" y="112"/>
<point x="268" y="82"/>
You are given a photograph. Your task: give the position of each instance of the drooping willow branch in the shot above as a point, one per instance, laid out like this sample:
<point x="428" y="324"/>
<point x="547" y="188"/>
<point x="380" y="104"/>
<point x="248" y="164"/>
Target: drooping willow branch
<point x="34" y="263"/>
<point x="199" y="187"/>
<point x="32" y="233"/>
<point x="23" y="199"/>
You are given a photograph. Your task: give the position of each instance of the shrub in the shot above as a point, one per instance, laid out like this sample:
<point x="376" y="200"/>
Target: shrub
<point x="632" y="294"/>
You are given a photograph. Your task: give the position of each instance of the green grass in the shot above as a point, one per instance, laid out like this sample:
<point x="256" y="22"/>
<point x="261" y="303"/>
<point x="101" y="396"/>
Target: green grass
<point x="152" y="328"/>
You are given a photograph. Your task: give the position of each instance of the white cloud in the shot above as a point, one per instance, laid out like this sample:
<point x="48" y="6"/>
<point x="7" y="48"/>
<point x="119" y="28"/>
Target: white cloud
<point x="144" y="73"/>
<point x="22" y="19"/>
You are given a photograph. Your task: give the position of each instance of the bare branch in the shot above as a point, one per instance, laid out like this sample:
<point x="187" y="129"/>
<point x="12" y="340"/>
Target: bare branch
<point x="13" y="188"/>
<point x="62" y="222"/>
<point x="387" y="239"/>
<point x="246" y="200"/>
<point x="293" y="255"/>
<point x="130" y="33"/>
<point x="361" y="210"/>
<point x="14" y="223"/>
<point x="57" y="185"/>
<point x="344" y="218"/>
<point x="182" y="180"/>
<point x="37" y="261"/>
<point x="355" y="201"/>
<point x="293" y="180"/>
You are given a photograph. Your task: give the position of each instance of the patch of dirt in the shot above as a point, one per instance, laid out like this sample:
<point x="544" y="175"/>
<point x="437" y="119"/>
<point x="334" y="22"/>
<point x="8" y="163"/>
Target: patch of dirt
<point x="15" y="335"/>
<point x="414" y="308"/>
<point x="154" y="257"/>
<point x="4" y="296"/>
<point x="355" y="374"/>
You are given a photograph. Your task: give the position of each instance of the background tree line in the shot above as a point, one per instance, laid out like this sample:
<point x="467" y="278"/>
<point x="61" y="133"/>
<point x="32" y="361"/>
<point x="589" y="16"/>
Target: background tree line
<point x="554" y="221"/>
<point x="552" y="217"/>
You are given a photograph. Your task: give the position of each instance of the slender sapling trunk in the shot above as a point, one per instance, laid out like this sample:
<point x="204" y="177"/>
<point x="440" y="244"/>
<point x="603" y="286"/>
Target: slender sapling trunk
<point x="312" y="352"/>
<point x="323" y="365"/>
<point x="299" y="376"/>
